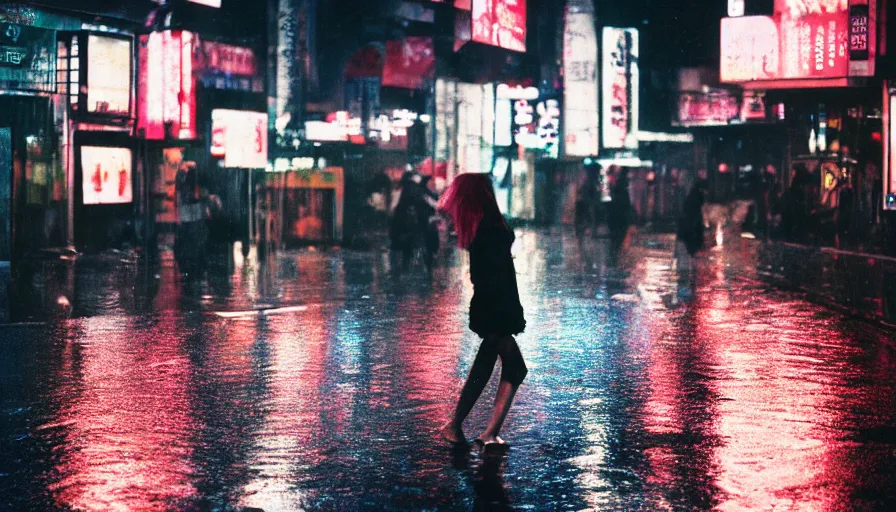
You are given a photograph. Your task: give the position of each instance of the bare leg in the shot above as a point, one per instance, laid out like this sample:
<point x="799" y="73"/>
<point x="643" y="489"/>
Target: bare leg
<point x="513" y="371"/>
<point x="480" y="373"/>
<point x="503" y="401"/>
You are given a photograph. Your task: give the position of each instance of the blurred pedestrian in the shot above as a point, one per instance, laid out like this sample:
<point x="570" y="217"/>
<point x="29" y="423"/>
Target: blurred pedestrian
<point x="407" y="228"/>
<point x="190" y="237"/>
<point x="496" y="314"/>
<point x="843" y="215"/>
<point x="691" y="225"/>
<point x="585" y="202"/>
<point x="620" y="212"/>
<point x="794" y="203"/>
<point x="431" y="229"/>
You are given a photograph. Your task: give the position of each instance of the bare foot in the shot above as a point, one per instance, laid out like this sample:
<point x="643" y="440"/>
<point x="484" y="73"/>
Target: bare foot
<point x="453" y="434"/>
<point x="485" y="439"/>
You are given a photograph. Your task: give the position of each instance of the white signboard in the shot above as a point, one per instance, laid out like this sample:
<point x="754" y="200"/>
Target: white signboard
<point x="106" y="175"/>
<point x="475" y="127"/>
<point x="109" y="75"/>
<point x="580" y="106"/>
<point x="242" y="137"/>
<point x="620" y="88"/>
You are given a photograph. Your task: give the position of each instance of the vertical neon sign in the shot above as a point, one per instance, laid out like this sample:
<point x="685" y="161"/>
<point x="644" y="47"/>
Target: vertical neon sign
<point x="620" y="88"/>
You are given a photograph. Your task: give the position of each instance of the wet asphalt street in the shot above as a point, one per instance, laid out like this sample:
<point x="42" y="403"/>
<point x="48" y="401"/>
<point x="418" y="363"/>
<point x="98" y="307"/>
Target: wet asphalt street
<point x="318" y="380"/>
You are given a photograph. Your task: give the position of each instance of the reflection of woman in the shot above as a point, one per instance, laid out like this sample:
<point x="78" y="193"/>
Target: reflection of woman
<point x="495" y="311"/>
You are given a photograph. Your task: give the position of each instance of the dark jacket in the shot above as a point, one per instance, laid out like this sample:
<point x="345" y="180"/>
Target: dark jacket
<point x="495" y="308"/>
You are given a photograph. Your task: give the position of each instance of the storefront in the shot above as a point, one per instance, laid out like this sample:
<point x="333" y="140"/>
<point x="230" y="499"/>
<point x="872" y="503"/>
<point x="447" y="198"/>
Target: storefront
<point x="202" y="101"/>
<point x="303" y="203"/>
<point x="33" y="198"/>
<point x="818" y="68"/>
<point x="99" y="93"/>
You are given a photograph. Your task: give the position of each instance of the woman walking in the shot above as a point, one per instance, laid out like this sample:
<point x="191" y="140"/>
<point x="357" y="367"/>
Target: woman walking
<point x="495" y="311"/>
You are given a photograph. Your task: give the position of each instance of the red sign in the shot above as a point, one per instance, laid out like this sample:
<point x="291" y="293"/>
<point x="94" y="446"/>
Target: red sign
<point x="228" y="59"/>
<point x="712" y="109"/>
<point x="408" y="62"/>
<point x="166" y="99"/>
<point x="500" y="23"/>
<point x="797" y="43"/>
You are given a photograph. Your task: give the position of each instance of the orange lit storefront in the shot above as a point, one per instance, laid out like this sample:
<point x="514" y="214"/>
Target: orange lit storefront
<point x="305" y="205"/>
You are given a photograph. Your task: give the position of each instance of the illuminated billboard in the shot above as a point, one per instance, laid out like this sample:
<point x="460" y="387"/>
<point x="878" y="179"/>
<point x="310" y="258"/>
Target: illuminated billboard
<point x="715" y="108"/>
<point x="500" y="23"/>
<point x="106" y="175"/>
<point x="475" y="127"/>
<point x="889" y="171"/>
<point x="581" y="117"/>
<point x="241" y="137"/>
<point x="820" y="40"/>
<point x="109" y="75"/>
<point x="620" y="88"/>
<point x="166" y="105"/>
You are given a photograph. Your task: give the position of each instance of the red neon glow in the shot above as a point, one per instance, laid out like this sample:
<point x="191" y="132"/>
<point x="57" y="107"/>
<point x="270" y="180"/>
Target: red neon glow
<point x="408" y="62"/>
<point x="500" y="23"/>
<point x="711" y="109"/>
<point x="167" y="94"/>
<point x="226" y="58"/>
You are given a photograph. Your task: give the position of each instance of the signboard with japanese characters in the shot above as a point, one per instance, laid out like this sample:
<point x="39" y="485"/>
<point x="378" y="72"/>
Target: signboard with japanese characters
<point x="620" y="88"/>
<point x="858" y="32"/>
<point x="27" y="58"/>
<point x="580" y="97"/>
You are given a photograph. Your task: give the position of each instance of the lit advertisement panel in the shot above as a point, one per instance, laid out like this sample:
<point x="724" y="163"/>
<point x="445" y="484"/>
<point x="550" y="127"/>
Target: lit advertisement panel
<point x="166" y="105"/>
<point x="475" y="127"/>
<point x="718" y="108"/>
<point x="241" y="137"/>
<point x="500" y="23"/>
<point x="106" y="175"/>
<point x="209" y="3"/>
<point x="750" y="49"/>
<point x="889" y="176"/>
<point x="802" y="41"/>
<point x="109" y="75"/>
<point x="620" y="88"/>
<point x="581" y="117"/>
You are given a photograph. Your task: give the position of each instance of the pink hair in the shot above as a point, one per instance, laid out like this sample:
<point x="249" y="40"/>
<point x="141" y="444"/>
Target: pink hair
<point x="468" y="200"/>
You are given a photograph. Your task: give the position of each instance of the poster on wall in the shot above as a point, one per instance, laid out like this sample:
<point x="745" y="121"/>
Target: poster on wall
<point x="241" y="137"/>
<point x="106" y="175"/>
<point x="500" y="23"/>
<point x="580" y="107"/>
<point x="620" y="88"/>
<point x="409" y="62"/>
<point x="109" y="75"/>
